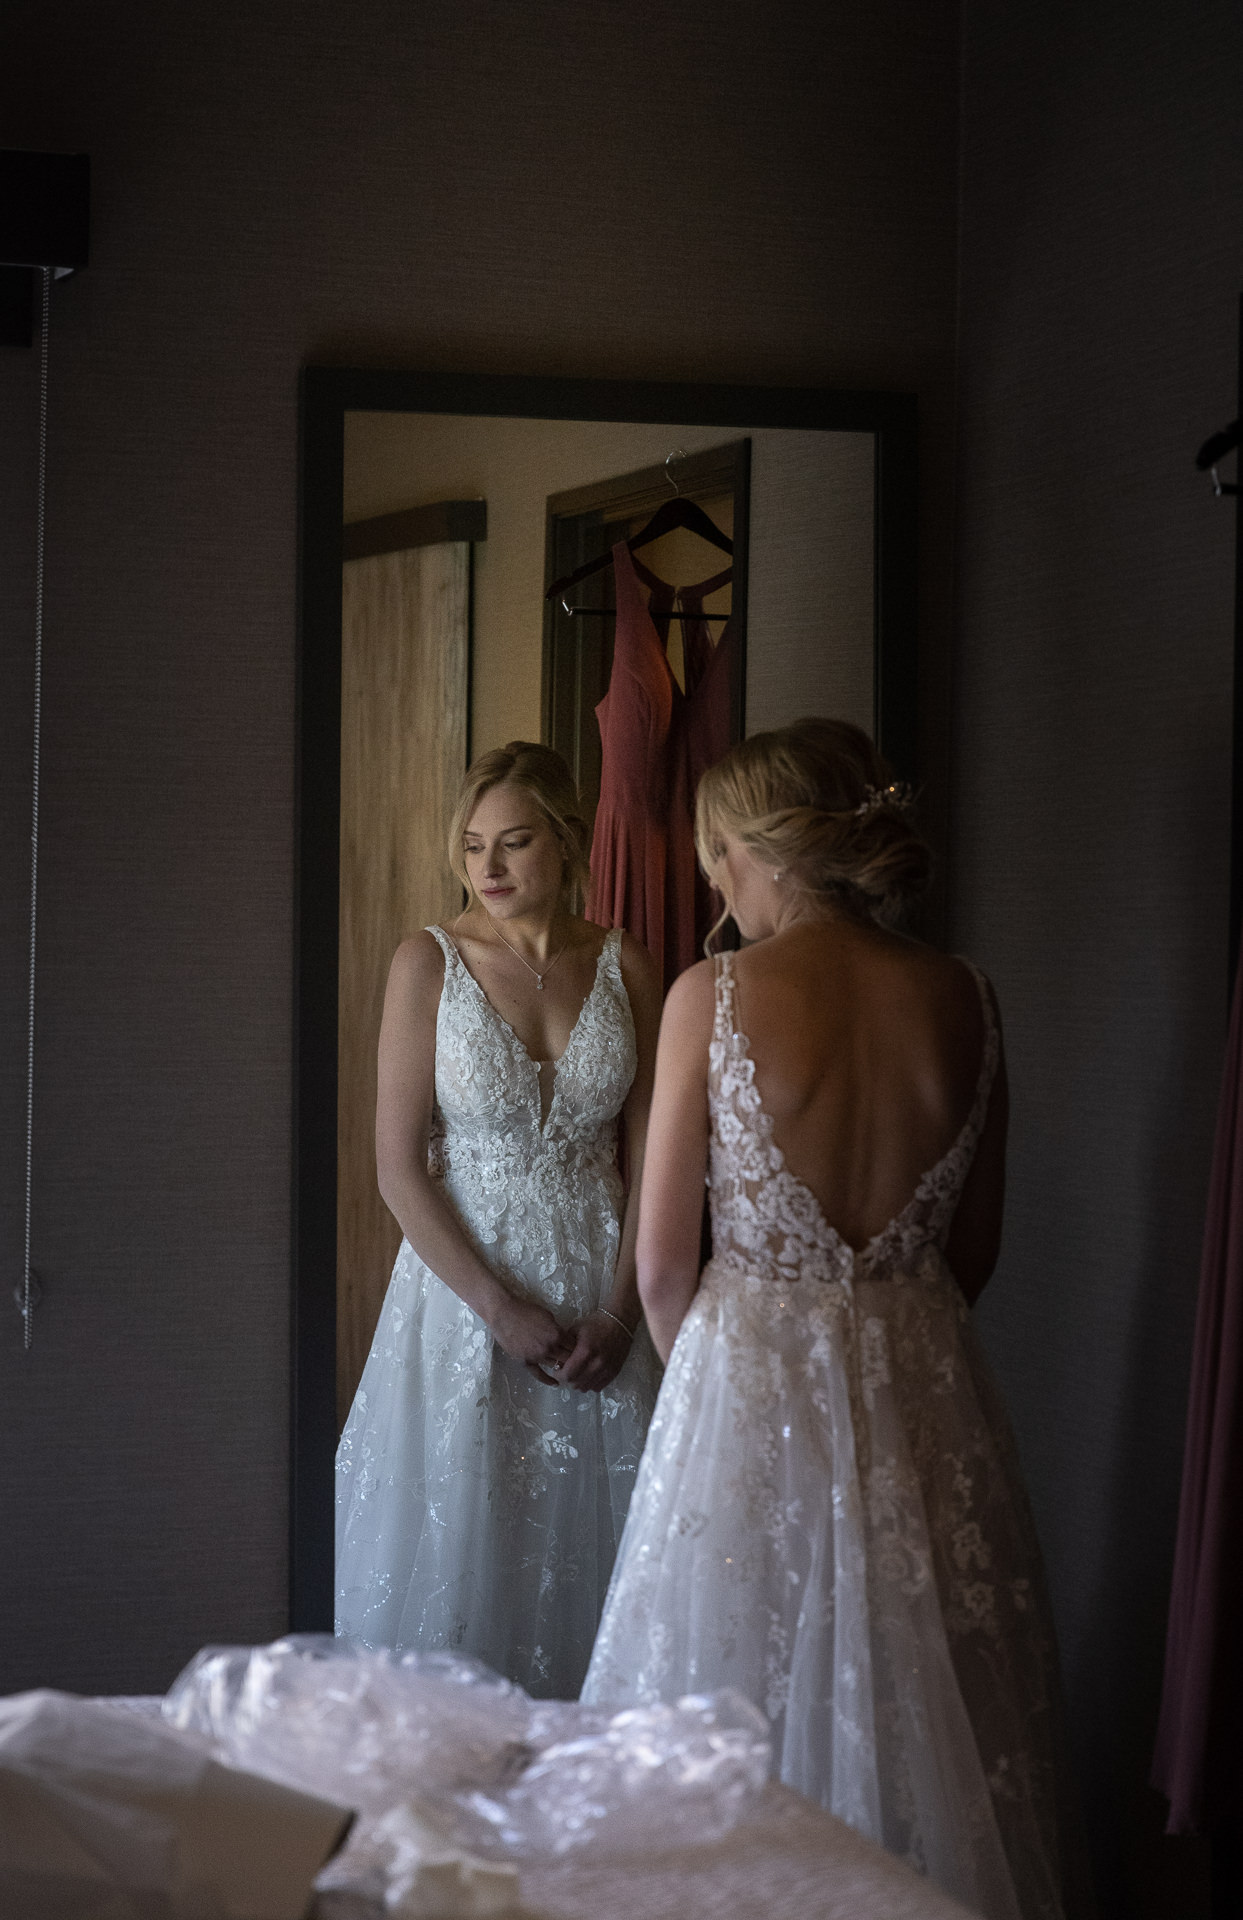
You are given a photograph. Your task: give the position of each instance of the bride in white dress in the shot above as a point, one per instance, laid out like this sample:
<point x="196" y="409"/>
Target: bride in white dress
<point x="829" y="1515"/>
<point x="488" y="1459"/>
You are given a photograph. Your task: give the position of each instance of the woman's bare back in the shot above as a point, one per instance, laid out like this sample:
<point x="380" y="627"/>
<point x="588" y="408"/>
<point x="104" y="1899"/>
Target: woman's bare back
<point x="867" y="1051"/>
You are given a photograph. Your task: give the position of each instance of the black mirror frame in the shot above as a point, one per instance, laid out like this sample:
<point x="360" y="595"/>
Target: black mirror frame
<point x="327" y="394"/>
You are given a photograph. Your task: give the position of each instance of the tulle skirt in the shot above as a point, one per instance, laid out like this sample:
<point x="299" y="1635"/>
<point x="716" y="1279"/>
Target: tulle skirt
<point x="478" y="1509"/>
<point x="829" y="1517"/>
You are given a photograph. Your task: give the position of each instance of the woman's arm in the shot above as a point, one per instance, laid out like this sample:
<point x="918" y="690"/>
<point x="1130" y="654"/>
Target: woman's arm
<point x="601" y="1345"/>
<point x="406" y="1085"/>
<point x="974" y="1239"/>
<point x="671" y="1206"/>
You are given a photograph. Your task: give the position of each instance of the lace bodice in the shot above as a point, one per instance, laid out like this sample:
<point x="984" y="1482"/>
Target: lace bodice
<point x="762" y="1212"/>
<point x="508" y="1169"/>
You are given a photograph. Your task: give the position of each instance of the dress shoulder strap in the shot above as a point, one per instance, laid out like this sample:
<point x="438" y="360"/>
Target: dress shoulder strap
<point x="443" y="942"/>
<point x="608" y="965"/>
<point x="992" y="1043"/>
<point x="455" y="966"/>
<point x="725" y="996"/>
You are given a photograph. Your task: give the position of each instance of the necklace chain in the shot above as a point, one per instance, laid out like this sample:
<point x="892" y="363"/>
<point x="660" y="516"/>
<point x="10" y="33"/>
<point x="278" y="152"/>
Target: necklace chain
<point x="539" y="977"/>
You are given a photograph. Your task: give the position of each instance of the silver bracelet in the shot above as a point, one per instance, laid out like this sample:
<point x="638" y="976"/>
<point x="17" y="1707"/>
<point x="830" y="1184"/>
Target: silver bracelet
<point x="628" y="1331"/>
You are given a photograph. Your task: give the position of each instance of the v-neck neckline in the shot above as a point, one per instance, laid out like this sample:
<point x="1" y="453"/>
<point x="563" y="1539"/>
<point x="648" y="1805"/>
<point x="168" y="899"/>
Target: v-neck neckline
<point x="523" y="1050"/>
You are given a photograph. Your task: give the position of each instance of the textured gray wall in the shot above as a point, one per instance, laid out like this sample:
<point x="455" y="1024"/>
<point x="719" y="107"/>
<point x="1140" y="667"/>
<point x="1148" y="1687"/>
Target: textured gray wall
<point x="636" y="190"/>
<point x="1102" y="216"/>
<point x="693" y="189"/>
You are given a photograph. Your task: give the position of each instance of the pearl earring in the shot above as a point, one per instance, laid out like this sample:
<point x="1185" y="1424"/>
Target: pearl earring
<point x="777" y="873"/>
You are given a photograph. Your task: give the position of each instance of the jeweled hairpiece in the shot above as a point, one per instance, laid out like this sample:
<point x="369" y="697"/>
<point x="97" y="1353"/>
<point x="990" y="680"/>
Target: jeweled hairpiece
<point x="897" y="794"/>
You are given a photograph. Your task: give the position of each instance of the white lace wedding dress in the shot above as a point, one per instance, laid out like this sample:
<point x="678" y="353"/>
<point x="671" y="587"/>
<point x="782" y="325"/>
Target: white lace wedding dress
<point x="830" y="1518"/>
<point x="478" y="1509"/>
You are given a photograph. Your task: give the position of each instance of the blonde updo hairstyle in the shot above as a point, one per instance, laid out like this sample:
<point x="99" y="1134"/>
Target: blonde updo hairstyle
<point x="810" y="800"/>
<point x="542" y="773"/>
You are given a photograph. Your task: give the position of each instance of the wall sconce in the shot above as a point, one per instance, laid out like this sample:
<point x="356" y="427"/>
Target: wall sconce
<point x="45" y="219"/>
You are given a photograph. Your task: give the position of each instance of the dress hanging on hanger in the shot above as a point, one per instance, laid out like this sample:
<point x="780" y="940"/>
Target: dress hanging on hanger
<point x="657" y="739"/>
<point x="629" y="846"/>
<point x="698" y="736"/>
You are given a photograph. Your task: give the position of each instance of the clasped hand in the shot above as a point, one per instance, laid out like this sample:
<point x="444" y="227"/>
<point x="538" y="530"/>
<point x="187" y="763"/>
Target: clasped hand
<point x="586" y="1355"/>
<point x="597" y="1356"/>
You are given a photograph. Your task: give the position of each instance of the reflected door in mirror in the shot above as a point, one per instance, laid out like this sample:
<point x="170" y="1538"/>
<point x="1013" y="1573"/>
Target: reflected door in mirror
<point x="405" y="639"/>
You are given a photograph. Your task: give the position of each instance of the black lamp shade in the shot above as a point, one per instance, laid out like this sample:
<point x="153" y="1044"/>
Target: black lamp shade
<point x="45" y="222"/>
<point x="45" y="203"/>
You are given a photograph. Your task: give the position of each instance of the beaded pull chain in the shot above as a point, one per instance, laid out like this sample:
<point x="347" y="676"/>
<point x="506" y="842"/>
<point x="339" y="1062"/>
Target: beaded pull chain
<point x="27" y="1294"/>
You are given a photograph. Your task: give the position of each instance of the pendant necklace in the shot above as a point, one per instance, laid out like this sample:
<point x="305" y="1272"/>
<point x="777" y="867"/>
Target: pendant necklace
<point x="539" y="977"/>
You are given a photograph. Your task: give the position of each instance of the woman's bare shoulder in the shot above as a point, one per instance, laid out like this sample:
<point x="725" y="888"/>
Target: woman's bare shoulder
<point x="948" y="995"/>
<point x="971" y="976"/>
<point x="690" y="1000"/>
<point x="686" y="1028"/>
<point x="418" y="967"/>
<point x="958" y="982"/>
<point x="869" y="964"/>
<point x="639" y="970"/>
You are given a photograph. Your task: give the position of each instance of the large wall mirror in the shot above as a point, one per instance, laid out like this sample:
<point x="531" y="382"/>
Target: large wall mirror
<point x="455" y="593"/>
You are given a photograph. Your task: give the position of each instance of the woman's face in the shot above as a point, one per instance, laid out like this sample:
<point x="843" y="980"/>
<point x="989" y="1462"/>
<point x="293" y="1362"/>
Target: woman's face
<point x="513" y="858"/>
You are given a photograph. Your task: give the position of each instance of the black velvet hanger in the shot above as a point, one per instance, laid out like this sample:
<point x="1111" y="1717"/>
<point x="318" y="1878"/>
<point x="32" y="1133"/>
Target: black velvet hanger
<point x="678" y="512"/>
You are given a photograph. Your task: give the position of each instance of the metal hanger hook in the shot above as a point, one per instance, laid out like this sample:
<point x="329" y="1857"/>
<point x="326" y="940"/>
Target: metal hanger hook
<point x="678" y="453"/>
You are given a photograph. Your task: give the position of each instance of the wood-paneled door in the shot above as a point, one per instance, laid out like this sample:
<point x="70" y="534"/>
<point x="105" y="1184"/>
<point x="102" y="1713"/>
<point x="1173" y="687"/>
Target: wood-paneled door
<point x="405" y="680"/>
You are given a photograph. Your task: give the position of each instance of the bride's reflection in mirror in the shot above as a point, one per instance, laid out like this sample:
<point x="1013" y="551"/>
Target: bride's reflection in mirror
<point x="479" y="1506"/>
<point x="488" y="1458"/>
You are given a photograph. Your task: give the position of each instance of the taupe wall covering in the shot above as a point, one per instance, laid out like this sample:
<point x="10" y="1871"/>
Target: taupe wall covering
<point x="660" y="188"/>
<point x="1102" y="215"/>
